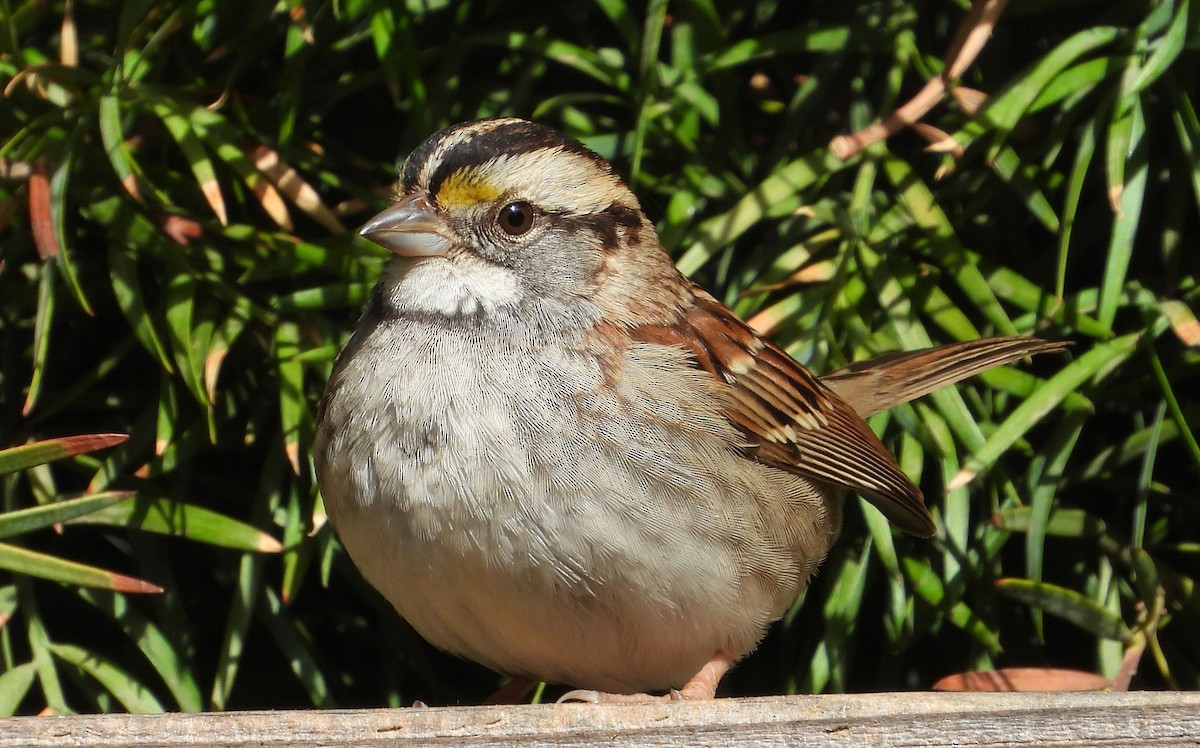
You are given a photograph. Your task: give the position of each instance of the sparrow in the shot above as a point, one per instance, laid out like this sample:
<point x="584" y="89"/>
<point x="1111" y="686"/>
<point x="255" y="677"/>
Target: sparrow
<point x="556" y="456"/>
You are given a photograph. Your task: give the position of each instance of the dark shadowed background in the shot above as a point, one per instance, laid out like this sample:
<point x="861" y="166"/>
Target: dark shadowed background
<point x="180" y="184"/>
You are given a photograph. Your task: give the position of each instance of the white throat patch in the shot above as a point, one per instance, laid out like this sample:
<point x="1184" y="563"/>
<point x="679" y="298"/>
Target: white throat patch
<point x="460" y="286"/>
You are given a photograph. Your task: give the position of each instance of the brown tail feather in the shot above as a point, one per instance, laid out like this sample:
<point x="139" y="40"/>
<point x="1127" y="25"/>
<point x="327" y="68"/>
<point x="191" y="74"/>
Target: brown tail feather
<point x="895" y="378"/>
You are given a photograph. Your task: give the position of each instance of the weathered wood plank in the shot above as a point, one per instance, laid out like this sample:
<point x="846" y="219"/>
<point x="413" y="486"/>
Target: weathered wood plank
<point x="890" y="719"/>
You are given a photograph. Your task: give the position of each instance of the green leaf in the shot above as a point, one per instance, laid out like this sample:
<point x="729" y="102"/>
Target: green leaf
<point x="49" y="450"/>
<point x="1095" y="362"/>
<point x="767" y="46"/>
<point x="182" y="520"/>
<point x="193" y="150"/>
<point x="14" y="685"/>
<point x="778" y="195"/>
<point x="1063" y="523"/>
<point x="295" y="648"/>
<point x="132" y="695"/>
<point x="921" y="204"/>
<point x="928" y="586"/>
<point x="292" y="402"/>
<point x="112" y="135"/>
<point x="1166" y="49"/>
<point x="21" y="521"/>
<point x="1089" y="135"/>
<point x="41" y="334"/>
<point x="831" y="660"/>
<point x="172" y="666"/>
<point x="59" y="209"/>
<point x="1068" y="605"/>
<point x="1128" y="162"/>
<point x="127" y="289"/>
<point x="1003" y="110"/>
<point x="23" y="561"/>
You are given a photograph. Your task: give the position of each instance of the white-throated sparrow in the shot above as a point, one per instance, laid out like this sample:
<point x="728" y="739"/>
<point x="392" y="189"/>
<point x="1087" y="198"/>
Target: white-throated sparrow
<point x="556" y="456"/>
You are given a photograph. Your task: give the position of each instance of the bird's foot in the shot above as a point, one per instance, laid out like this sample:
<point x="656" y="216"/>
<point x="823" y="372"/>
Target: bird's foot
<point x="701" y="686"/>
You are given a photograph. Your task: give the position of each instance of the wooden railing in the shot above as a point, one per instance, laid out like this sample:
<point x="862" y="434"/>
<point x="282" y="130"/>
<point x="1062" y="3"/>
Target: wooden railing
<point x="889" y="719"/>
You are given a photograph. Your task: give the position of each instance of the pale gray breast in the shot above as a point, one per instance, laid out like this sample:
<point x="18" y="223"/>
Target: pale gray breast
<point x="464" y="444"/>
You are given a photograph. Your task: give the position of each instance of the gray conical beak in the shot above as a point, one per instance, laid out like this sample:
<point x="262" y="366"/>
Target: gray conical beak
<point x="410" y="227"/>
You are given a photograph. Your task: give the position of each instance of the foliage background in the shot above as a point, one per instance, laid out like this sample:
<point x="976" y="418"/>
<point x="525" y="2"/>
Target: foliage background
<point x="178" y="192"/>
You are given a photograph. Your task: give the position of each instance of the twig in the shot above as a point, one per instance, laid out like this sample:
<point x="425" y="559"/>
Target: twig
<point x="970" y="39"/>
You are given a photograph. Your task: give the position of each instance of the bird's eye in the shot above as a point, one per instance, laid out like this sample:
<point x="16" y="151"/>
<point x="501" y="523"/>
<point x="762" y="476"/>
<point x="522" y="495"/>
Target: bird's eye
<point x="516" y="218"/>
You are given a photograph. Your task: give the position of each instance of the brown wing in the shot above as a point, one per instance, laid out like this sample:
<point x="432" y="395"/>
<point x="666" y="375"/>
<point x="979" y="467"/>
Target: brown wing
<point x="790" y="419"/>
<point x="895" y="378"/>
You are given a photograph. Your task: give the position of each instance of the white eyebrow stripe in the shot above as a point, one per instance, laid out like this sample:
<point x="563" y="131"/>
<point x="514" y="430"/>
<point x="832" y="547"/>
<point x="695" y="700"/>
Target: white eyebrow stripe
<point x="554" y="179"/>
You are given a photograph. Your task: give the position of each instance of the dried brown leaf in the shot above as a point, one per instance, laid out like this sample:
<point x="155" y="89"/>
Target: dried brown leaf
<point x="1024" y="679"/>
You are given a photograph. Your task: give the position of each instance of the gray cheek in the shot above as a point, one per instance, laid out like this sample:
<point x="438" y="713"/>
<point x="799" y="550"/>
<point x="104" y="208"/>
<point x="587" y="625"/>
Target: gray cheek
<point x="560" y="264"/>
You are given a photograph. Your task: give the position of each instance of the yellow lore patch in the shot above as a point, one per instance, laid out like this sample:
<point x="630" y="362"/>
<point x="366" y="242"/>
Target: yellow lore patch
<point x="463" y="189"/>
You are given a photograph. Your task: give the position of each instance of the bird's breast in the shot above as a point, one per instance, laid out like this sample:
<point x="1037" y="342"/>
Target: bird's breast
<point x="621" y="504"/>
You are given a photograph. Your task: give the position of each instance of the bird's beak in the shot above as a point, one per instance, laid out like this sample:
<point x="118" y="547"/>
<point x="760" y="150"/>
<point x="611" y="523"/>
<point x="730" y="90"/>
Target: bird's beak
<point x="410" y="227"/>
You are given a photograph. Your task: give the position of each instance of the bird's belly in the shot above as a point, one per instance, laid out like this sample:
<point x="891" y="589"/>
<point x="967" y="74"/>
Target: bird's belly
<point x="512" y="617"/>
<point x="542" y="532"/>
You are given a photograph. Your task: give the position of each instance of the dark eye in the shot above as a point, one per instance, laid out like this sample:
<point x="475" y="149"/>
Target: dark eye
<point x="516" y="218"/>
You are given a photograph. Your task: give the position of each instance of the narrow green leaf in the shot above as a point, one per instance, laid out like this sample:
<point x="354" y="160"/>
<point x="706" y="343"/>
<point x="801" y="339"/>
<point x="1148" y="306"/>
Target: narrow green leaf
<point x="766" y="46"/>
<point x="59" y="210"/>
<point x="39" y="644"/>
<point x="49" y="450"/>
<point x="1068" y="605"/>
<point x="1166" y="50"/>
<point x="1063" y="523"/>
<point x="1004" y="109"/>
<point x="840" y="613"/>
<point x="383" y="36"/>
<point x="947" y="249"/>
<point x="14" y="685"/>
<point x="193" y="150"/>
<point x="132" y="695"/>
<point x="1145" y="484"/>
<point x="1176" y="411"/>
<point x="173" y="667"/>
<point x="24" y="561"/>
<point x="296" y="649"/>
<point x="247" y="590"/>
<point x="1007" y="165"/>
<point x="1089" y="134"/>
<point x="588" y="61"/>
<point x="180" y="299"/>
<point x="1100" y="359"/>
<point x="1145" y="576"/>
<point x="1045" y="476"/>
<point x="127" y="290"/>
<point x="112" y="135"/>
<point x="21" y="521"/>
<point x="928" y="586"/>
<point x="42" y="320"/>
<point x="292" y="399"/>
<point x="1129" y="148"/>
<point x="777" y="195"/>
<point x="1187" y="130"/>
<point x="298" y="554"/>
<point x="196" y="523"/>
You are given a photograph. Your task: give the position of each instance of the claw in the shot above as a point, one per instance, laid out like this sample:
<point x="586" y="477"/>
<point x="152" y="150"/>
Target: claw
<point x="701" y="686"/>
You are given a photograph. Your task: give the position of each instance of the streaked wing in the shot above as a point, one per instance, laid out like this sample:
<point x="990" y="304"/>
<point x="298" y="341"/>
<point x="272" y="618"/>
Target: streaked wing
<point x="791" y="420"/>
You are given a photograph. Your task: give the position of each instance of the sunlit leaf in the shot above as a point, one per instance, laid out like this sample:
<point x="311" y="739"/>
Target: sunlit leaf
<point x="24" y="561"/>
